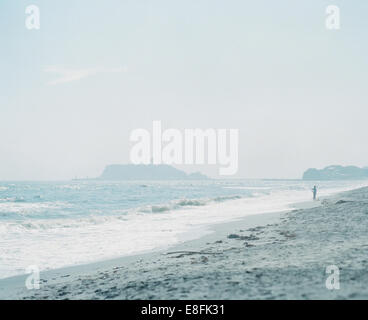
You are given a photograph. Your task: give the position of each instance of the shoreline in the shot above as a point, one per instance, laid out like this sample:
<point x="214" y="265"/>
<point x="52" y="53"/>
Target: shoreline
<point x="195" y="234"/>
<point x="9" y="285"/>
<point x="107" y="236"/>
<point x="60" y="283"/>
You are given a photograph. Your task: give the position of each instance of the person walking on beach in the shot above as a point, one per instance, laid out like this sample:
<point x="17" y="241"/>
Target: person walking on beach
<point x="314" y="190"/>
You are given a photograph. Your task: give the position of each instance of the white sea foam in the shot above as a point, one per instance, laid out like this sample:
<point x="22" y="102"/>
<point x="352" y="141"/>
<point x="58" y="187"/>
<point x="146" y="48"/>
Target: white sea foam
<point x="13" y="205"/>
<point x="53" y="243"/>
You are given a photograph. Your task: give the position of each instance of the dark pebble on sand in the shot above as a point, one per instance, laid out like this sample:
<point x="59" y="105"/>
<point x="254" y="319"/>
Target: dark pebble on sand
<point x="248" y="244"/>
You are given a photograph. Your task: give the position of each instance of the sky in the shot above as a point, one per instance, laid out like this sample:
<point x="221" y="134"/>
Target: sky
<point x="72" y="91"/>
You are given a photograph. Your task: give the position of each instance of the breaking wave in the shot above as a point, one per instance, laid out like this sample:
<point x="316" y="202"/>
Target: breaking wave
<point x="92" y="219"/>
<point x="183" y="203"/>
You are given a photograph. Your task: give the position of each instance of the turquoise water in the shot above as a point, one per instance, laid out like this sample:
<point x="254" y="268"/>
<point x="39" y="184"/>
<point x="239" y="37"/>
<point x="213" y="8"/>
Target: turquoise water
<point x="56" y="224"/>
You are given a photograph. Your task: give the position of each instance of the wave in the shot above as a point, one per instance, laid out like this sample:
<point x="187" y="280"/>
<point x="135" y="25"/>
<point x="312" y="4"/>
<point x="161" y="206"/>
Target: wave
<point x="226" y="198"/>
<point x="91" y="220"/>
<point x="69" y="186"/>
<point x="14" y="199"/>
<point x="57" y="224"/>
<point x="182" y="203"/>
<point x="22" y="207"/>
<point x="176" y="205"/>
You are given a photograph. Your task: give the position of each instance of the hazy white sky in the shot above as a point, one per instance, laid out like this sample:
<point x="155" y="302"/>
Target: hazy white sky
<point x="72" y="91"/>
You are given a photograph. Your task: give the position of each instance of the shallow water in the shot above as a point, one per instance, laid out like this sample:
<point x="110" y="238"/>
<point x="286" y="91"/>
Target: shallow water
<point x="56" y="224"/>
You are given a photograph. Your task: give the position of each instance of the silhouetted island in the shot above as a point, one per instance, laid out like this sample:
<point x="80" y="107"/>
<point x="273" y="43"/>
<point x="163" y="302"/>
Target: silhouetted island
<point x="147" y="172"/>
<point x="336" y="173"/>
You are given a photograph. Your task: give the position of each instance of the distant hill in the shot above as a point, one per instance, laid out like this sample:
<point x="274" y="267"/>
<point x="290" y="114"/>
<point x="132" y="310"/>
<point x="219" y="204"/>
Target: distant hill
<point x="147" y="172"/>
<point x="336" y="173"/>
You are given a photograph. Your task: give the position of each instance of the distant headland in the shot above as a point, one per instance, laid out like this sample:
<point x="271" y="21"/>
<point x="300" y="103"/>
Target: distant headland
<point x="147" y="172"/>
<point x="336" y="173"/>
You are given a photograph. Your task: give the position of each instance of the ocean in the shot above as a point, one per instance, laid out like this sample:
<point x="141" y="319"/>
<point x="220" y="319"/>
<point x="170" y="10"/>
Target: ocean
<point x="66" y="223"/>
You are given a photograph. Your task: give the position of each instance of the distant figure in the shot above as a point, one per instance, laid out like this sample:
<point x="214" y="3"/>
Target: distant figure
<point x="314" y="190"/>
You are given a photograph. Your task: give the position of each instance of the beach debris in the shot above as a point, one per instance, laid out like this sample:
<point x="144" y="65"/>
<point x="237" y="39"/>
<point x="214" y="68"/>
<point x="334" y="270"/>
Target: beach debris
<point x="252" y="237"/>
<point x="255" y="229"/>
<point x="248" y="244"/>
<point x="325" y="202"/>
<point x="288" y="234"/>
<point x="188" y="253"/>
<point x="238" y="237"/>
<point x="343" y="201"/>
<point x="203" y="259"/>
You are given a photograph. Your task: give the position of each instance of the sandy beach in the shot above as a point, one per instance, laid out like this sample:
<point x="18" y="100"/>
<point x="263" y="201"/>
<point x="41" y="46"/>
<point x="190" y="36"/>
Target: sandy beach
<point x="268" y="256"/>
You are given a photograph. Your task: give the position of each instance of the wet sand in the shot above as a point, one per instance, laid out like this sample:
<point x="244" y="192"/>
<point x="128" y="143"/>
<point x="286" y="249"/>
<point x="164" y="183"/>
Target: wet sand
<point x="267" y="256"/>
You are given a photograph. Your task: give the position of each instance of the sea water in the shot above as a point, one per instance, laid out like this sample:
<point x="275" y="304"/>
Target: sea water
<point x="57" y="224"/>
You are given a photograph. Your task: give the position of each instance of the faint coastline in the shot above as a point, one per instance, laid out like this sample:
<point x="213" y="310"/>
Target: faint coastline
<point x="145" y="172"/>
<point x="337" y="172"/>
